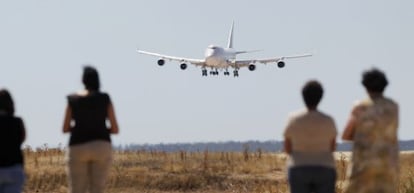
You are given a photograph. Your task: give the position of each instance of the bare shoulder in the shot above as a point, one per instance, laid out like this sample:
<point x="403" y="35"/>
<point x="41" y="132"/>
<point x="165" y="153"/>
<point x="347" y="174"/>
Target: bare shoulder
<point x="82" y="93"/>
<point x="298" y="114"/>
<point x="391" y="101"/>
<point x="326" y="116"/>
<point x="361" y="105"/>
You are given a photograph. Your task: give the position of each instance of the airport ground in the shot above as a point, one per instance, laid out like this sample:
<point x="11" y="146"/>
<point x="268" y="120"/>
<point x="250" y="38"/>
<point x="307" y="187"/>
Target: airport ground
<point x="178" y="172"/>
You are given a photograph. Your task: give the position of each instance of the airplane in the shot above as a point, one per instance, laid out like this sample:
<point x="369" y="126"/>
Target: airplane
<point x="219" y="58"/>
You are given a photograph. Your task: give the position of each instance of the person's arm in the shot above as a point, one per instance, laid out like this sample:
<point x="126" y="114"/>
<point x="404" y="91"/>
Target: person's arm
<point x="112" y="120"/>
<point x="67" y="120"/>
<point x="287" y="134"/>
<point x="287" y="145"/>
<point x="349" y="131"/>
<point x="334" y="135"/>
<point x="333" y="144"/>
<point x="22" y="130"/>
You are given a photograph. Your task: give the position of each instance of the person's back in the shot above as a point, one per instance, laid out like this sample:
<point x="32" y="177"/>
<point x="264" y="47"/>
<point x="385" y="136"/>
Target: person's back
<point x="90" y="151"/>
<point x="375" y="149"/>
<point x="89" y="113"/>
<point x="310" y="139"/>
<point x="311" y="134"/>
<point x="376" y="123"/>
<point x="11" y="138"/>
<point x="12" y="135"/>
<point x="373" y="128"/>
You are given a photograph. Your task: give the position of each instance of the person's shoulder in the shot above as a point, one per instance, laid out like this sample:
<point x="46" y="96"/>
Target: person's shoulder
<point x="298" y="113"/>
<point x="16" y="120"/>
<point x="390" y="104"/>
<point x="325" y="115"/>
<point x="362" y="102"/>
<point x="72" y="96"/>
<point x="391" y="101"/>
<point x="11" y="118"/>
<point x="294" y="115"/>
<point x="293" y="119"/>
<point x="19" y="121"/>
<point x="104" y="95"/>
<point x="361" y="105"/>
<point x="328" y="120"/>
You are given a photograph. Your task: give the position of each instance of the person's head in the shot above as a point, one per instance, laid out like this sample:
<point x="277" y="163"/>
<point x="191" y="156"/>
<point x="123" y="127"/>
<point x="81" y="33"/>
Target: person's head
<point x="374" y="81"/>
<point x="312" y="93"/>
<point x="6" y="102"/>
<point x="90" y="78"/>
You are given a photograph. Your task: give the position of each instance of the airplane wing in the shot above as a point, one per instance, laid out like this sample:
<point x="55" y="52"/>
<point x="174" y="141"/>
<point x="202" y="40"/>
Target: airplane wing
<point x="243" y="63"/>
<point x="197" y="62"/>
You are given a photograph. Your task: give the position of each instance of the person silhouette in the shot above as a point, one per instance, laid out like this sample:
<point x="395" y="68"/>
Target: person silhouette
<point x="12" y="135"/>
<point x="372" y="127"/>
<point x="90" y="149"/>
<point x="310" y="139"/>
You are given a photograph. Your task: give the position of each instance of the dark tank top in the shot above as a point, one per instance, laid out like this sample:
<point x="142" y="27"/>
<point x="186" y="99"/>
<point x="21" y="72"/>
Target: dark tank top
<point x="89" y="113"/>
<point x="11" y="139"/>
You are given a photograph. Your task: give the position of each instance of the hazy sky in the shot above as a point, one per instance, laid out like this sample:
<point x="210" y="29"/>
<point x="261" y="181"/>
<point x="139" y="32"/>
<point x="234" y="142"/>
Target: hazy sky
<point x="45" y="43"/>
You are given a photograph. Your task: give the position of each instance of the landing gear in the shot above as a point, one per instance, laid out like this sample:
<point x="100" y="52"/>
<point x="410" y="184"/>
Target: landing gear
<point x="236" y="73"/>
<point x="204" y="72"/>
<point x="214" y="72"/>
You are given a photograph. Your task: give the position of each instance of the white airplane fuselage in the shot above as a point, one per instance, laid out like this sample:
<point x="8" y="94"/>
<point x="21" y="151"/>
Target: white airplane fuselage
<point x="219" y="57"/>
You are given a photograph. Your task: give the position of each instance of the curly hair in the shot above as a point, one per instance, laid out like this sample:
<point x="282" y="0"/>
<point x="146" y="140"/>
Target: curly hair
<point x="374" y="80"/>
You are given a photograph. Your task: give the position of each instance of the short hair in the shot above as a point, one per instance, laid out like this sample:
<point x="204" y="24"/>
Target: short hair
<point x="6" y="102"/>
<point x="312" y="93"/>
<point x="374" y="80"/>
<point x="90" y="78"/>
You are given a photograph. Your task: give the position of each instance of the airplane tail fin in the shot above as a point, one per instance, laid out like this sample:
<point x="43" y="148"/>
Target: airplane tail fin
<point x="230" y="40"/>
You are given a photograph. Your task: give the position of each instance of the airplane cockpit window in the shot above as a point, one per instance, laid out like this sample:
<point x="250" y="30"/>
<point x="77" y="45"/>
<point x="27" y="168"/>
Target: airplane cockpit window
<point x="212" y="47"/>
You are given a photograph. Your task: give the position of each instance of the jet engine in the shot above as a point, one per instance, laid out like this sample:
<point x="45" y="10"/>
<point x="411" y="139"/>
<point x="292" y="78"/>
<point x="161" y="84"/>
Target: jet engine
<point x="252" y="67"/>
<point x="183" y="66"/>
<point x="161" y="62"/>
<point x="281" y="64"/>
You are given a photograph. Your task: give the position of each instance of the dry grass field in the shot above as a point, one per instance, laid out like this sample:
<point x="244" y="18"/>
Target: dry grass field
<point x="199" y="172"/>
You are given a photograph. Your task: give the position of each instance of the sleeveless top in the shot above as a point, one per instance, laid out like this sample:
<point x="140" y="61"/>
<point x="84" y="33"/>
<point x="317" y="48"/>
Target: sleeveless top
<point x="89" y="113"/>
<point x="375" y="151"/>
<point x="11" y="139"/>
